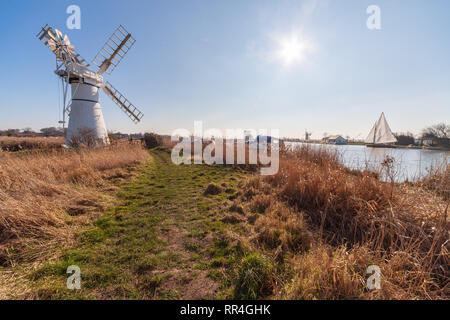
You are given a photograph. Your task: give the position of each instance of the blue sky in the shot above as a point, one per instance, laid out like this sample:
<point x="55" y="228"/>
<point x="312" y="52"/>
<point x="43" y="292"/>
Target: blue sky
<point x="224" y="63"/>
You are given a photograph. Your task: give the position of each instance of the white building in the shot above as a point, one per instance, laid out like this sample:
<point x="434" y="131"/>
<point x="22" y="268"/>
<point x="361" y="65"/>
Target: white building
<point x="335" y="140"/>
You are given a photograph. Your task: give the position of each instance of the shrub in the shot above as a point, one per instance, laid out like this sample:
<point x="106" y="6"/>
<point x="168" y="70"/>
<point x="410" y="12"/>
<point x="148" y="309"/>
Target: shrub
<point x="85" y="138"/>
<point x="254" y="278"/>
<point x="237" y="208"/>
<point x="152" y="140"/>
<point x="438" y="180"/>
<point x="328" y="274"/>
<point x="283" y="227"/>
<point x="261" y="203"/>
<point x="212" y="189"/>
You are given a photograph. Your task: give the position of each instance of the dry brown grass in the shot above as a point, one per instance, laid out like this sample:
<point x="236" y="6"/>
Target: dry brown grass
<point x="284" y="229"/>
<point x="323" y="225"/>
<point x="438" y="180"/>
<point x="14" y="144"/>
<point x="41" y="191"/>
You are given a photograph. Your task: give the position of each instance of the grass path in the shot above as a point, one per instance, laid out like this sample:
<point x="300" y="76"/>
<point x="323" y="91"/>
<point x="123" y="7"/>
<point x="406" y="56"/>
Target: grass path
<point x="165" y="240"/>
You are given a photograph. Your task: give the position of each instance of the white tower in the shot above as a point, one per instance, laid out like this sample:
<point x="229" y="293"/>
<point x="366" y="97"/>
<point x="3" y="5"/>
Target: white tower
<point x="86" y="117"/>
<point x="86" y="123"/>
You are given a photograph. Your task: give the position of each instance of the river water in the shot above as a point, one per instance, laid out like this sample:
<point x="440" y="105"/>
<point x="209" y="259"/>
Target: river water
<point x="410" y="164"/>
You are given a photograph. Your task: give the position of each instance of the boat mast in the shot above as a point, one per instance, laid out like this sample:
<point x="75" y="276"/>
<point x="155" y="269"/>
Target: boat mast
<point x="375" y="132"/>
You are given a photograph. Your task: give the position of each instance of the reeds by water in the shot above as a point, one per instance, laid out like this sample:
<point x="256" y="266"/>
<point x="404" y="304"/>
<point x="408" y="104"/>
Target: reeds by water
<point x="323" y="225"/>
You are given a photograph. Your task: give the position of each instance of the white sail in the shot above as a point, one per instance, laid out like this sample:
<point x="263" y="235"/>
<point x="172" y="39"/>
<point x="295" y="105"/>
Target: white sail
<point x="381" y="133"/>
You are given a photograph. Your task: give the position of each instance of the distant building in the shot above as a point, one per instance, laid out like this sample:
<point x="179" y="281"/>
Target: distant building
<point x="263" y="139"/>
<point x="132" y="136"/>
<point x="119" y="135"/>
<point x="335" y="140"/>
<point x="429" y="142"/>
<point x="307" y="135"/>
<point x="136" y="136"/>
<point x="248" y="136"/>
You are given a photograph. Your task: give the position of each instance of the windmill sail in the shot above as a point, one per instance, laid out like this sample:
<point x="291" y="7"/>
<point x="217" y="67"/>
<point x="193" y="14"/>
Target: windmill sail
<point x="130" y="110"/>
<point x="60" y="46"/>
<point x="114" y="50"/>
<point x="381" y="133"/>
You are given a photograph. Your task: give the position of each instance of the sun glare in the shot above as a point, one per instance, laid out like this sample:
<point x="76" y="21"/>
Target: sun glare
<point x="291" y="50"/>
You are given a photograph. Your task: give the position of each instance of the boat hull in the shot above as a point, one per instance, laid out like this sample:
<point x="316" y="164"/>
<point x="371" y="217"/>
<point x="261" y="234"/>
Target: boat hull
<point x="380" y="146"/>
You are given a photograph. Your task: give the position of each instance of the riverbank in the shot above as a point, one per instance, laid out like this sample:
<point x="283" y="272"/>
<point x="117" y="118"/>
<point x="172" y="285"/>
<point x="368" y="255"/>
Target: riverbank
<point x="202" y="232"/>
<point x="365" y="144"/>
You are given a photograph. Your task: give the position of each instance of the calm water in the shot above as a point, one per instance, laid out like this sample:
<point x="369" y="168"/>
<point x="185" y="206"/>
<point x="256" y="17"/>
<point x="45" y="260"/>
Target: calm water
<point x="410" y="164"/>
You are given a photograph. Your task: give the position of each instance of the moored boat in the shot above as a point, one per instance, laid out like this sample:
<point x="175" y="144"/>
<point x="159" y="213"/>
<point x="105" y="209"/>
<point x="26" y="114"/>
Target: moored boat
<point x="371" y="145"/>
<point x="381" y="135"/>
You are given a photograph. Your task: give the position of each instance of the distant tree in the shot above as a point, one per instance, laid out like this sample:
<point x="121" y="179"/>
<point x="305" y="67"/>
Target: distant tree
<point x="439" y="133"/>
<point x="440" y="130"/>
<point x="12" y="132"/>
<point x="405" y="139"/>
<point x="52" y="132"/>
<point x="152" y="140"/>
<point x="28" y="130"/>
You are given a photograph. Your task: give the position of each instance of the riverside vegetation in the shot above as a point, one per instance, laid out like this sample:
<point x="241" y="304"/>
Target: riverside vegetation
<point x="140" y="227"/>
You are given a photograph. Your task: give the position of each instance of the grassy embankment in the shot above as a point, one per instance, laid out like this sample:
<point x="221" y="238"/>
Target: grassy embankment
<point x="165" y="240"/>
<point x="309" y="232"/>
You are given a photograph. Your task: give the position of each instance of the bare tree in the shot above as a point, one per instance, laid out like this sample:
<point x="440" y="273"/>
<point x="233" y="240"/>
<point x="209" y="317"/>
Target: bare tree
<point x="440" y="131"/>
<point x="52" y="132"/>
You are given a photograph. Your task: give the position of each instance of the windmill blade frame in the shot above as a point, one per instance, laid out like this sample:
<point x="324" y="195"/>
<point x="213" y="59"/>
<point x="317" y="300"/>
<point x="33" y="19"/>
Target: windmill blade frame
<point x="58" y="34"/>
<point x="66" y="40"/>
<point x="130" y="110"/>
<point x="63" y="50"/>
<point x="114" y="50"/>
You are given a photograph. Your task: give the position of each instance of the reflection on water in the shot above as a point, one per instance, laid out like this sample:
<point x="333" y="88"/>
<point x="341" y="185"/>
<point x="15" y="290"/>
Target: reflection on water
<point x="410" y="164"/>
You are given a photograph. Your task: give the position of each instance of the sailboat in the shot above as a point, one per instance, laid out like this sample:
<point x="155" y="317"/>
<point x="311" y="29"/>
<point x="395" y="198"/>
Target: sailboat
<point x="381" y="135"/>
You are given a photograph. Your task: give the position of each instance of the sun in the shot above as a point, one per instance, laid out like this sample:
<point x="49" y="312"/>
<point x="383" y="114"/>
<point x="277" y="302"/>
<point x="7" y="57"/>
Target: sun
<point x="292" y="50"/>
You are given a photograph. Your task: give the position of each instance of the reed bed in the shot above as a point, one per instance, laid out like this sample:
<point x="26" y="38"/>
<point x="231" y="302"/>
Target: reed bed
<point x="38" y="190"/>
<point x="438" y="180"/>
<point x="15" y="144"/>
<point x="322" y="225"/>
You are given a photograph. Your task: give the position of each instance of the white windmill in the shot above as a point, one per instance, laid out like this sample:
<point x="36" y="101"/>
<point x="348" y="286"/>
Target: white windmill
<point x="84" y="111"/>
